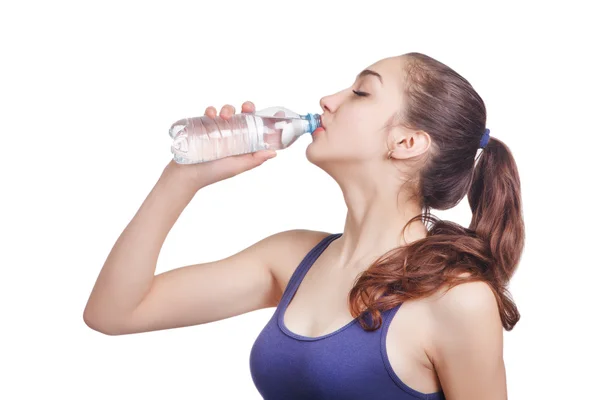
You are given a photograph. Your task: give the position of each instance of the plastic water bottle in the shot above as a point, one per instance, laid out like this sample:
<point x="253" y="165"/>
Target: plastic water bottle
<point x="201" y="139"/>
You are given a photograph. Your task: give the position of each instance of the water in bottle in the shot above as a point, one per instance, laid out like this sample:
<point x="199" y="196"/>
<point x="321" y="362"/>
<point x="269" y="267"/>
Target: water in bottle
<point x="201" y="139"/>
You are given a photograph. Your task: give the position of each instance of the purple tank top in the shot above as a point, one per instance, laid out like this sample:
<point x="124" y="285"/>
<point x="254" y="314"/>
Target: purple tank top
<point x="349" y="363"/>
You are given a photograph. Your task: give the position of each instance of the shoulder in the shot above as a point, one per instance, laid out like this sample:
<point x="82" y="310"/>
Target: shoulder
<point x="296" y="239"/>
<point x="292" y="244"/>
<point x="465" y="301"/>
<point x="467" y="317"/>
<point x="288" y="248"/>
<point x="467" y="341"/>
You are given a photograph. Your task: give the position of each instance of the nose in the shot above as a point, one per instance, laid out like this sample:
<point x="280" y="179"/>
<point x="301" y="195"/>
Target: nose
<point x="331" y="102"/>
<point x="324" y="104"/>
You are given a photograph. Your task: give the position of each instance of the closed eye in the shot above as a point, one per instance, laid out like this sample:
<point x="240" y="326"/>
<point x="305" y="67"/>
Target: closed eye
<point x="360" y="93"/>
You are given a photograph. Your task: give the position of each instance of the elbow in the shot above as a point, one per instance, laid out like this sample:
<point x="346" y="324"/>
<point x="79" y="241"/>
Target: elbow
<point x="101" y="325"/>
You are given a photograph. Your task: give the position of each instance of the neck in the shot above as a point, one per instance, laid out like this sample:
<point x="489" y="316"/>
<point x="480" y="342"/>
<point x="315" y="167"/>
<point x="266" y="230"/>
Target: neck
<point x="374" y="222"/>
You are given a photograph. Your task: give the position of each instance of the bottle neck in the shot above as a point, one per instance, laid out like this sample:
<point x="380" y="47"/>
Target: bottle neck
<point x="314" y="121"/>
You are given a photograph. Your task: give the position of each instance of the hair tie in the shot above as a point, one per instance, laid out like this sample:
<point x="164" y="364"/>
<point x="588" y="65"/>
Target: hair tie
<point x="484" y="139"/>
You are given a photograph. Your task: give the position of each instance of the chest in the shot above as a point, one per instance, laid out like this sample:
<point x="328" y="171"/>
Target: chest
<point x="320" y="306"/>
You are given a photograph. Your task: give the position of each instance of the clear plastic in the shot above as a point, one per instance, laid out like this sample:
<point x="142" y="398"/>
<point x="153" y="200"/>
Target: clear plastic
<point x="201" y="139"/>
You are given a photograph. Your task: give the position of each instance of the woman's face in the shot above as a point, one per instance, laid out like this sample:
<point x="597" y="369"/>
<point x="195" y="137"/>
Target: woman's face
<point x="354" y="118"/>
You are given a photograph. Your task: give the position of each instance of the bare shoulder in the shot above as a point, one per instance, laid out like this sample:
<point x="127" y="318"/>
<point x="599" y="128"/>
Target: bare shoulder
<point x="287" y="249"/>
<point x="469" y="313"/>
<point x="466" y="300"/>
<point x="467" y="342"/>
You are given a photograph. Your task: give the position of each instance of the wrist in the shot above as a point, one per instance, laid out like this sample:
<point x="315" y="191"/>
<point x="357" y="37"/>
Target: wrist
<point x="183" y="176"/>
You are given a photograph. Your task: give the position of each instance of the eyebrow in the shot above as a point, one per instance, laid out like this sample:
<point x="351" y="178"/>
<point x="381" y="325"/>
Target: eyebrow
<point x="367" y="72"/>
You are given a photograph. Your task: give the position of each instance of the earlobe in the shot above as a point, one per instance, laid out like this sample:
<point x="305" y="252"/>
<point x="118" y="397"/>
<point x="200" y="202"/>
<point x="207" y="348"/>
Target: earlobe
<point x="395" y="144"/>
<point x="389" y="154"/>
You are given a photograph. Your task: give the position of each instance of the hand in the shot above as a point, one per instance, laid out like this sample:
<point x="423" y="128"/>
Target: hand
<point x="206" y="173"/>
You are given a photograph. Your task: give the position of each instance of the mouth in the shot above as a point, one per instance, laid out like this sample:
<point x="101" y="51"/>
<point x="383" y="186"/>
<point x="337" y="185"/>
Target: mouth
<point x="320" y="128"/>
<point x="323" y="124"/>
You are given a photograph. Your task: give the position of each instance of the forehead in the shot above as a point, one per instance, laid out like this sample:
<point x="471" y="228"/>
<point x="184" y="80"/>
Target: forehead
<point x="391" y="70"/>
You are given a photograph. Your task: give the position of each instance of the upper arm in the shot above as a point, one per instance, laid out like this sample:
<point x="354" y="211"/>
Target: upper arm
<point x="202" y="293"/>
<point x="468" y="343"/>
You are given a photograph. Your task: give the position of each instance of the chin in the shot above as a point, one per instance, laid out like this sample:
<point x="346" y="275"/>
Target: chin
<point x="321" y="156"/>
<point x="315" y="154"/>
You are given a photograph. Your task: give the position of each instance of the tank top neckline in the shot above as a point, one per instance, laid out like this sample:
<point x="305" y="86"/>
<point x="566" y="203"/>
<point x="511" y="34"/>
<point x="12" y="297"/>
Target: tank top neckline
<point x="294" y="284"/>
<point x="380" y="338"/>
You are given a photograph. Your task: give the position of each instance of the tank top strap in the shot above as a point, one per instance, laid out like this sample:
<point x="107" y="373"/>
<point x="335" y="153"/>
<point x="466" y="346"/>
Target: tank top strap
<point x="305" y="265"/>
<point x="387" y="317"/>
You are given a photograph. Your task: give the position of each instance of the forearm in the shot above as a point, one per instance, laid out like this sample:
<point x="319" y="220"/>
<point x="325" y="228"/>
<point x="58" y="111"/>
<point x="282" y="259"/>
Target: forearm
<point x="129" y="269"/>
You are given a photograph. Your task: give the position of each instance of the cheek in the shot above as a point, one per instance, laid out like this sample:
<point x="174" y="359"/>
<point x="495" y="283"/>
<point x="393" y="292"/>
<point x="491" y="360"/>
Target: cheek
<point x="360" y="136"/>
<point x="345" y="142"/>
<point x="354" y="129"/>
<point x="351" y="135"/>
<point x="350" y="125"/>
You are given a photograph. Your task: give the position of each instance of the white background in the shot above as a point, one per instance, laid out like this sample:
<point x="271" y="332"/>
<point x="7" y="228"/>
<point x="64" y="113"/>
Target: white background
<point x="89" y="89"/>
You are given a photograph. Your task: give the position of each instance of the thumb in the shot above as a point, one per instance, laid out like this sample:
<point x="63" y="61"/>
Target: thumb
<point x="264" y="154"/>
<point x="245" y="162"/>
<point x="261" y="156"/>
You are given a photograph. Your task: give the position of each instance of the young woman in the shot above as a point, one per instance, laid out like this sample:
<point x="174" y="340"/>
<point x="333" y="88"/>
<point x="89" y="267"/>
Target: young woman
<point x="400" y="305"/>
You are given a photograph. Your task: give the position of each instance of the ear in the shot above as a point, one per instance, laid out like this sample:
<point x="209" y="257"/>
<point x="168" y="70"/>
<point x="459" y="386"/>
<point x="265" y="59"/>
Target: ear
<point x="405" y="143"/>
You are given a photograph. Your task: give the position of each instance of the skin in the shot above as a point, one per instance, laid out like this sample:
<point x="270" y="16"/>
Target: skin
<point x="451" y="341"/>
<point x="353" y="150"/>
<point x="460" y="331"/>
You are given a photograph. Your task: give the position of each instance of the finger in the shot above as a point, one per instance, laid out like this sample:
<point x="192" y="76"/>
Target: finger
<point x="248" y="107"/>
<point x="227" y="111"/>
<point x="264" y="154"/>
<point x="260" y="155"/>
<point x="245" y="162"/>
<point x="210" y="112"/>
<point x="251" y="160"/>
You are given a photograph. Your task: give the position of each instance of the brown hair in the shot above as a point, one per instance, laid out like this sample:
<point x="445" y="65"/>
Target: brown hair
<point x="445" y="105"/>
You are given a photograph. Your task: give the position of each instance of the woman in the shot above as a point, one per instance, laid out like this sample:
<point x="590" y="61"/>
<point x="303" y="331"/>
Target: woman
<point x="389" y="309"/>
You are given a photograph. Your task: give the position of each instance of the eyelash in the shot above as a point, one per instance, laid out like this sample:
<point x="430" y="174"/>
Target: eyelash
<point x="361" y="94"/>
